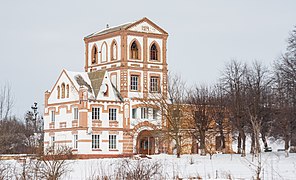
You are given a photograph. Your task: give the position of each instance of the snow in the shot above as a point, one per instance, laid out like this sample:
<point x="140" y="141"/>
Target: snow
<point x="274" y="166"/>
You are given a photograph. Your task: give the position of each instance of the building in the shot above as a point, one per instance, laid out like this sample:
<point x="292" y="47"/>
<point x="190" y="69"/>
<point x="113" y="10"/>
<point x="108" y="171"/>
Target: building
<point x="101" y="112"/>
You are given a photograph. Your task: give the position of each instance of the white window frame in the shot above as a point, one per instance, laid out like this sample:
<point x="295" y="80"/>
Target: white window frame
<point x="52" y="116"/>
<point x="112" y="114"/>
<point x="95" y="141"/>
<point x="112" y="141"/>
<point x="95" y="113"/>
<point x="144" y="113"/>
<point x="154" y="82"/>
<point x="75" y="141"/>
<point x="134" y="82"/>
<point x="75" y="113"/>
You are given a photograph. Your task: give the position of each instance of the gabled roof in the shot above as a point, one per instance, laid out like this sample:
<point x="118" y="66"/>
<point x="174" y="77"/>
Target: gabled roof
<point x="126" y="26"/>
<point x="96" y="78"/>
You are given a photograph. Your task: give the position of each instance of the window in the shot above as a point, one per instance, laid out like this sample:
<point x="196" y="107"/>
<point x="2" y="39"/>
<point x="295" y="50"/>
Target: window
<point x="144" y="113"/>
<point x="52" y="116"/>
<point x="95" y="113"/>
<point x="94" y="57"/>
<point x="154" y="114"/>
<point x="134" y="113"/>
<point x="114" y="50"/>
<point x="58" y="91"/>
<point x="67" y="89"/>
<point x="154" y="81"/>
<point x="63" y="90"/>
<point x="95" y="139"/>
<point x="112" y="141"/>
<point x="75" y="141"/>
<point x="153" y="52"/>
<point x="134" y="82"/>
<point x="75" y="113"/>
<point x="112" y="114"/>
<point x="134" y="54"/>
<point x="104" y="52"/>
<point x="52" y="141"/>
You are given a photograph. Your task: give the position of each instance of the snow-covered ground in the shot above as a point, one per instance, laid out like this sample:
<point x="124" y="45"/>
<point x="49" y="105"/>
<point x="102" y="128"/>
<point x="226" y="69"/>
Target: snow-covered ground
<point x="221" y="166"/>
<point x="275" y="165"/>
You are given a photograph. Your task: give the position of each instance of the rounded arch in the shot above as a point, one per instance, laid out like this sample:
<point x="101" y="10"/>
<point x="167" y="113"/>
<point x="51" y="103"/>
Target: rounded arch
<point x="67" y="90"/>
<point x="114" y="50"/>
<point x="94" y="54"/>
<point x="63" y="90"/>
<point x="154" y="51"/>
<point x="104" y="52"/>
<point x="58" y="92"/>
<point x="135" y="49"/>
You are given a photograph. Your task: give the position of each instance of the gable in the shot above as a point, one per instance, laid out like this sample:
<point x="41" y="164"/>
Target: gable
<point x="145" y="27"/>
<point x="72" y="92"/>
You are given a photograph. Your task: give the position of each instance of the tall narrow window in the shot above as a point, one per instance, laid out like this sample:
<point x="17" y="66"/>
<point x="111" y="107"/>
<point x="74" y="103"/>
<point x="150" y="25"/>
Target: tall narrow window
<point x="134" y="113"/>
<point x="134" y="82"/>
<point x="112" y="114"/>
<point x="95" y="113"/>
<point x="154" y="83"/>
<point x="94" y="56"/>
<point x="52" y="141"/>
<point x="59" y="92"/>
<point x="63" y="90"/>
<point x="154" y="114"/>
<point x="67" y="90"/>
<point x="75" y="141"/>
<point x="134" y="54"/>
<point x="104" y="52"/>
<point x="153" y="52"/>
<point x="75" y="113"/>
<point x="144" y="113"/>
<point x="114" y="50"/>
<point x="95" y="139"/>
<point x="52" y="116"/>
<point x="112" y="141"/>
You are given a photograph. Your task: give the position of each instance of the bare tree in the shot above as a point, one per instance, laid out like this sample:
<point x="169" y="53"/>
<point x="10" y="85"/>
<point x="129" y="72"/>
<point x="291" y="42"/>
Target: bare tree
<point x="233" y="80"/>
<point x="54" y="164"/>
<point x="257" y="91"/>
<point x="201" y="105"/>
<point x="171" y="106"/>
<point x="6" y="102"/>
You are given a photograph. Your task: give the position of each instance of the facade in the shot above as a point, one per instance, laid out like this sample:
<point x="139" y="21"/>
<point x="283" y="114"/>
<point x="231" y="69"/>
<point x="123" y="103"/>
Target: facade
<point x="101" y="112"/>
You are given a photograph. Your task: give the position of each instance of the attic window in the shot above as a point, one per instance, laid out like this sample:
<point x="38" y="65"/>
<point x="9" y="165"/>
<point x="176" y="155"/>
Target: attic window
<point x="58" y="92"/>
<point x="63" y="90"/>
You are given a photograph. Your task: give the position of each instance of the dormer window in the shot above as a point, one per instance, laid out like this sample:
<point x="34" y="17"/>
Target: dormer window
<point x="63" y="90"/>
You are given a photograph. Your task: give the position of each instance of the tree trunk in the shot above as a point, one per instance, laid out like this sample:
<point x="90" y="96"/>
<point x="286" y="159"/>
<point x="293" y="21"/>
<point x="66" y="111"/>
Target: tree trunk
<point x="252" y="144"/>
<point x="202" y="143"/>
<point x="244" y="144"/>
<point x="239" y="144"/>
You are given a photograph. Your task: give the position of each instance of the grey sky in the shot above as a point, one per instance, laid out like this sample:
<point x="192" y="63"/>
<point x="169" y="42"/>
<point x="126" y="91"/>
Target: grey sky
<point x="40" y="38"/>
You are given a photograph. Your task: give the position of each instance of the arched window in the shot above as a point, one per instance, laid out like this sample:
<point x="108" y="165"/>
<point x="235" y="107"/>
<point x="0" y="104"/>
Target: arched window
<point x="104" y="52"/>
<point x="63" y="90"/>
<point x="153" y="52"/>
<point x="134" y="51"/>
<point x="58" y="89"/>
<point x="94" y="55"/>
<point x="114" y="50"/>
<point x="67" y="89"/>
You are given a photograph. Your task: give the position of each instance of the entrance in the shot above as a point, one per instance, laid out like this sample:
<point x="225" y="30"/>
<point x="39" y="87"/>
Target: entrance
<point x="145" y="143"/>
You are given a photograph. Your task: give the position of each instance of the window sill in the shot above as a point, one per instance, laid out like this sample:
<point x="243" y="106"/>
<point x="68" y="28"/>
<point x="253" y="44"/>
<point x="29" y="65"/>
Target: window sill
<point x="113" y="150"/>
<point x="96" y="149"/>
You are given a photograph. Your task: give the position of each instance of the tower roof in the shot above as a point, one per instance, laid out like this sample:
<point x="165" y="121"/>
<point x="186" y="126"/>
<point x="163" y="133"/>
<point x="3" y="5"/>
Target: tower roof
<point x="129" y="26"/>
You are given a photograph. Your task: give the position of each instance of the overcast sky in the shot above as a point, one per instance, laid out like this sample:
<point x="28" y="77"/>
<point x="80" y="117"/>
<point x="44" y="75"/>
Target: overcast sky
<point x="40" y="38"/>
